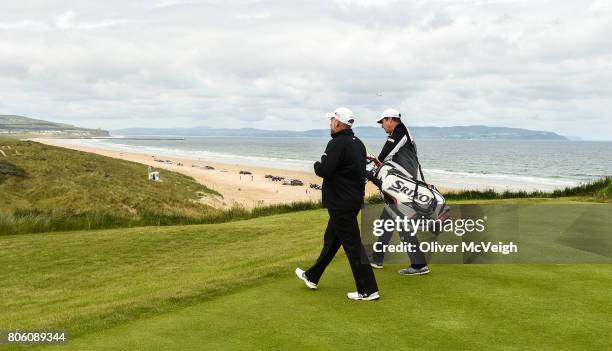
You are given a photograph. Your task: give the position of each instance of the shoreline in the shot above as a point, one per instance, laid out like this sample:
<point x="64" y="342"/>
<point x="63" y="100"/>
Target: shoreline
<point x="243" y="190"/>
<point x="441" y="176"/>
<point x="259" y="192"/>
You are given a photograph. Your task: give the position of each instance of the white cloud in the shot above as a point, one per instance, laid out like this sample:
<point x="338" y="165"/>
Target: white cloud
<point x="250" y="17"/>
<point x="67" y="21"/>
<point x="24" y="24"/>
<point x="537" y="64"/>
<point x="165" y="4"/>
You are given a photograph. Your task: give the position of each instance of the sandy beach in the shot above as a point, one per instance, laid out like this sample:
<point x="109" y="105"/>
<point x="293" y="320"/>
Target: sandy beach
<point x="245" y="190"/>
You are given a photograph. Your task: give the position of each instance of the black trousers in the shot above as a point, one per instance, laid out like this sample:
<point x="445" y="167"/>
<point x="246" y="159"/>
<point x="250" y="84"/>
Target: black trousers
<point x="417" y="258"/>
<point x="343" y="230"/>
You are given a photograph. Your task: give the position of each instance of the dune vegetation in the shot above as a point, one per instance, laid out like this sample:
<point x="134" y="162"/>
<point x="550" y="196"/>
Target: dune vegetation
<point x="46" y="188"/>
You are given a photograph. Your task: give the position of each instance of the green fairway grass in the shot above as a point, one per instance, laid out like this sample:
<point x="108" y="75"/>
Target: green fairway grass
<point x="475" y="307"/>
<point x="231" y="286"/>
<point x="87" y="280"/>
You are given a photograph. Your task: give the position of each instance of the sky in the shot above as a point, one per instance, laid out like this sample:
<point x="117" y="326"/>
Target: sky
<point x="544" y="65"/>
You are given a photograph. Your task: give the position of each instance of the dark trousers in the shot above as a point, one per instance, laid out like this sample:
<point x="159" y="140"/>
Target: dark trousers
<point x="417" y="258"/>
<point x="343" y="230"/>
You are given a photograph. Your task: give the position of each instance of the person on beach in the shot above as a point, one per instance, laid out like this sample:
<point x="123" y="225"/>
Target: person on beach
<point x="400" y="149"/>
<point x="343" y="167"/>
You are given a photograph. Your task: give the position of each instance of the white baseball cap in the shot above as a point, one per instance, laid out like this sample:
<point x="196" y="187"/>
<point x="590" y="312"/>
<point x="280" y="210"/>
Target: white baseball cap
<point x="389" y="113"/>
<point x="342" y="114"/>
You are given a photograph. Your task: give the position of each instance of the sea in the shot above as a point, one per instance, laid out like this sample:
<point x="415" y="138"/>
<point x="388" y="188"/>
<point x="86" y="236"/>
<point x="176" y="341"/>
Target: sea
<point x="460" y="164"/>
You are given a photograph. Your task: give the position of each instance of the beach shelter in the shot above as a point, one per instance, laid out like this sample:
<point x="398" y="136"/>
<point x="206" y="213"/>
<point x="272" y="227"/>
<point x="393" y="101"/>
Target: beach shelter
<point x="154" y="175"/>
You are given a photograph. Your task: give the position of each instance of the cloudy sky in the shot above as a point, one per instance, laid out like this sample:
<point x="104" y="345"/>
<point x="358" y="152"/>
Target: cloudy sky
<point x="282" y="64"/>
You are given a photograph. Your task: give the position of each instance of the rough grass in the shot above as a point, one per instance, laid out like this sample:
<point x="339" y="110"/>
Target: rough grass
<point x="46" y="188"/>
<point x="35" y="221"/>
<point x="598" y="189"/>
<point x="9" y="170"/>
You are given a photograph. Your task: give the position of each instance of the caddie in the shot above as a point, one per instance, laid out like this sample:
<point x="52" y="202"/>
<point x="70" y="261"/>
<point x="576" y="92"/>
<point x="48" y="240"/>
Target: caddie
<point x="401" y="151"/>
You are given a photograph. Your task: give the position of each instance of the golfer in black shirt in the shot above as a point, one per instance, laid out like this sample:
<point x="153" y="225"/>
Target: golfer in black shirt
<point x="343" y="167"/>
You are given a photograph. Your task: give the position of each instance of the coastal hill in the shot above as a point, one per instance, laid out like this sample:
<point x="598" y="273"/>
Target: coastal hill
<point x="47" y="188"/>
<point x="457" y="132"/>
<point x="20" y="125"/>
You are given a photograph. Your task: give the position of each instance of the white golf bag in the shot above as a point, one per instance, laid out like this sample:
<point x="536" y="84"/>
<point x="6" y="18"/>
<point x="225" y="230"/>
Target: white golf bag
<point x="411" y="198"/>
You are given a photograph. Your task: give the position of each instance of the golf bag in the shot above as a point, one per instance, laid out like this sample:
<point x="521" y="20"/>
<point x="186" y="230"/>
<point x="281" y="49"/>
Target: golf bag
<point x="409" y="197"/>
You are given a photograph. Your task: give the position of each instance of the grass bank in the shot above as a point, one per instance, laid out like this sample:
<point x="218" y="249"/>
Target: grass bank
<point x="45" y="188"/>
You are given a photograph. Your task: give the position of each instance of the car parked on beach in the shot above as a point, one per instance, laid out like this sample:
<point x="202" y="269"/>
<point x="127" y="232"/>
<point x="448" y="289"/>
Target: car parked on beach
<point x="293" y="182"/>
<point x="274" y="178"/>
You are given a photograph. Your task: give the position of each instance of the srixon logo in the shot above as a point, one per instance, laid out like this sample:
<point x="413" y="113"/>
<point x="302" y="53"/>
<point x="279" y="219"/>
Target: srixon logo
<point x="400" y="186"/>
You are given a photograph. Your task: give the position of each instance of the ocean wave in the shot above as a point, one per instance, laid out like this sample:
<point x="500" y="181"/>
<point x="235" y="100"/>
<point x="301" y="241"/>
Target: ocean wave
<point x="199" y="155"/>
<point x="501" y="176"/>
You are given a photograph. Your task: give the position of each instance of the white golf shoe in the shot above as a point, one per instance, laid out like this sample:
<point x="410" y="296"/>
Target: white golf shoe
<point x="302" y="275"/>
<point x="358" y="296"/>
<point x="376" y="265"/>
